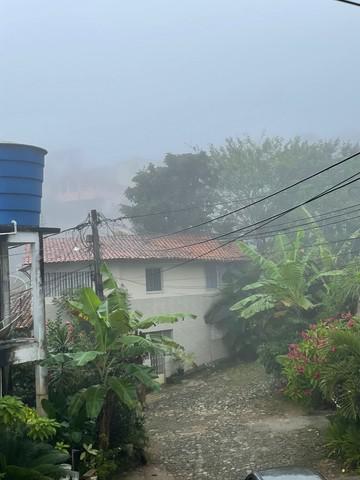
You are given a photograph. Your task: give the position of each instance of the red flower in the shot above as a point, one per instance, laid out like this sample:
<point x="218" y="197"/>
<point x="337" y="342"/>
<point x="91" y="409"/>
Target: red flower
<point x="300" y="370"/>
<point x="350" y="323"/>
<point x="333" y="349"/>
<point x="317" y="376"/>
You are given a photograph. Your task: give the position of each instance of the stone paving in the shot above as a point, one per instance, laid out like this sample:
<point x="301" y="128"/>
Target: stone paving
<point x="219" y="424"/>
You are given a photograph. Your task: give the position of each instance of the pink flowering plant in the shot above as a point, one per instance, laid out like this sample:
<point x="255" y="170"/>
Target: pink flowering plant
<point x="304" y="364"/>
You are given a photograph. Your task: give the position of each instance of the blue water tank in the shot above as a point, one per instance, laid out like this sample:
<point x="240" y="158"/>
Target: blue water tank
<point x="21" y="177"/>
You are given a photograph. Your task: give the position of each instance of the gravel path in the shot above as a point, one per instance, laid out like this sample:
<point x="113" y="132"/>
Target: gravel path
<point x="219" y="424"/>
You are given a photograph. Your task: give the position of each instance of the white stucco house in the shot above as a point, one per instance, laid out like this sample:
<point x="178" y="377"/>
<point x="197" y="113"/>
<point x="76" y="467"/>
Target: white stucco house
<point x="162" y="275"/>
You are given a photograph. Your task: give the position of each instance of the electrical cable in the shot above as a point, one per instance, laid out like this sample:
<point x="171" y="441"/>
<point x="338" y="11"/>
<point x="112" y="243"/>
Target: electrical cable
<point x="332" y="189"/>
<point x="349" y="2"/>
<point x="274" y="233"/>
<point x="313" y="220"/>
<point x="266" y="220"/>
<point x="184" y="209"/>
<point x="267" y="197"/>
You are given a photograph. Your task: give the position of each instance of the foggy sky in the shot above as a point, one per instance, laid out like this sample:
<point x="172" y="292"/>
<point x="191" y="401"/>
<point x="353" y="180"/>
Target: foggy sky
<point x="125" y="81"/>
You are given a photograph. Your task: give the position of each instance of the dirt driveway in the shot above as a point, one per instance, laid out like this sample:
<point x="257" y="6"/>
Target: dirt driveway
<point x="220" y="424"/>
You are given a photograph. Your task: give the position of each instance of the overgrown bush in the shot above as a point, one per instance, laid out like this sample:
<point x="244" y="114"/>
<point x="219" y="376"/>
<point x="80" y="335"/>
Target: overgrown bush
<point x="323" y="368"/>
<point x="343" y="440"/>
<point x="23" y="453"/>
<point x="96" y="371"/>
<point x="306" y="361"/>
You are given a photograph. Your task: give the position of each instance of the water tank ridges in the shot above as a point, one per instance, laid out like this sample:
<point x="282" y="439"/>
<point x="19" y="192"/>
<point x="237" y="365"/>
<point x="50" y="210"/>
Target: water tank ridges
<point x="21" y="177"/>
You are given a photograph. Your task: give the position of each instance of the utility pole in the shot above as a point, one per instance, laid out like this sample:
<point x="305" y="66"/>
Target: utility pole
<point x="94" y="219"/>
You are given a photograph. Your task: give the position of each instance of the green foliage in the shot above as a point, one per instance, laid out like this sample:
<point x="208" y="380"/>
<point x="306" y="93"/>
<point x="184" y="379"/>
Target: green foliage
<point x="343" y="440"/>
<point x="22" y="381"/>
<point x="23" y="458"/>
<point x="294" y="284"/>
<point x="22" y="451"/>
<point x="268" y="354"/>
<point x="268" y="301"/>
<point x="325" y="366"/>
<point x="189" y="176"/>
<point x="244" y="167"/>
<point x="305" y="364"/>
<point x="340" y="381"/>
<point x="103" y="350"/>
<point x="340" y="384"/>
<point x="259" y="167"/>
<point x="241" y="337"/>
<point x="285" y="286"/>
<point x="16" y="416"/>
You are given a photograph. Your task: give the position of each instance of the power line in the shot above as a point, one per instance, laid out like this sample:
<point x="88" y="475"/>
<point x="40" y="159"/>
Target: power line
<point x="267" y="197"/>
<point x="311" y="220"/>
<point x="274" y="233"/>
<point x="267" y="220"/>
<point x="184" y="209"/>
<point x="334" y="188"/>
<point x="78" y="227"/>
<point x="350" y="2"/>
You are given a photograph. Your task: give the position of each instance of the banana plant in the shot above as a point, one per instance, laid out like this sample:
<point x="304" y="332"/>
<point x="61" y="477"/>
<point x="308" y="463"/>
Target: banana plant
<point x="119" y="345"/>
<point x="285" y="283"/>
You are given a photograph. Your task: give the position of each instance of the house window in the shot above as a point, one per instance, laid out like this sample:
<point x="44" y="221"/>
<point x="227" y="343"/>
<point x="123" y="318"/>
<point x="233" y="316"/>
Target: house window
<point x="66" y="283"/>
<point x="212" y="276"/>
<point x="153" y="279"/>
<point x="157" y="360"/>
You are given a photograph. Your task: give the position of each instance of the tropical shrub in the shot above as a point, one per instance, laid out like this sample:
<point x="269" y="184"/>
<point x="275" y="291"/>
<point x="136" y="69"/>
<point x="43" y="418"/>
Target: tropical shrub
<point x="340" y="384"/>
<point x="286" y="296"/>
<point x="290" y="283"/>
<point x="96" y="367"/>
<point x="307" y="361"/>
<point x="324" y="367"/>
<point x="241" y="337"/>
<point x="23" y="453"/>
<point x="343" y="440"/>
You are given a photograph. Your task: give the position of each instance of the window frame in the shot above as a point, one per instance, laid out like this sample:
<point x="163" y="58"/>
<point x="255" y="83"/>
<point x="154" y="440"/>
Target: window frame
<point x="207" y="268"/>
<point x="160" y="278"/>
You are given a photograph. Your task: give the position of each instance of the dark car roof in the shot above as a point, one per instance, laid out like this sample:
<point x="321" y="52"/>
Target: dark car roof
<point x="286" y="473"/>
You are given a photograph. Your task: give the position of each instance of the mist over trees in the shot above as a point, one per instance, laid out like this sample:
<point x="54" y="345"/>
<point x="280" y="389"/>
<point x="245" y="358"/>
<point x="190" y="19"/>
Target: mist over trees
<point x="188" y="180"/>
<point x="207" y="184"/>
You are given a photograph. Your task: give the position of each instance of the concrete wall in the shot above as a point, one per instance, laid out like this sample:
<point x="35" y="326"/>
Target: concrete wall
<point x="203" y="341"/>
<point x="185" y="280"/>
<point x="184" y="290"/>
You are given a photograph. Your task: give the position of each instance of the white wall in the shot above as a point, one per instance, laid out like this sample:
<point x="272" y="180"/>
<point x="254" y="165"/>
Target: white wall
<point x="194" y="335"/>
<point x="184" y="280"/>
<point x="184" y="290"/>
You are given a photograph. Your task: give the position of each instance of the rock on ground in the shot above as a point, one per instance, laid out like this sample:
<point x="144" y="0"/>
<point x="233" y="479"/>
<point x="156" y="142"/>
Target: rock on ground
<point x="220" y="424"/>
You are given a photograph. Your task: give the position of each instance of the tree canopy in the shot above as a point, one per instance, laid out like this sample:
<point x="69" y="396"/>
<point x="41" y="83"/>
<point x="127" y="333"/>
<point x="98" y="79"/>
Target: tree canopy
<point x="182" y="180"/>
<point x="204" y="185"/>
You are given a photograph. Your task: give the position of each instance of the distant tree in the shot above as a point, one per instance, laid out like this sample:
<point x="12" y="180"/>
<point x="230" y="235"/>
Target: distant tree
<point x="249" y="168"/>
<point x="237" y="173"/>
<point x="182" y="181"/>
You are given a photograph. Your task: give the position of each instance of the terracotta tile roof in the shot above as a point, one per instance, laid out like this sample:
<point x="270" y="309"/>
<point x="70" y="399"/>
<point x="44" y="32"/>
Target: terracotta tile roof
<point x="139" y="247"/>
<point x="21" y="306"/>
